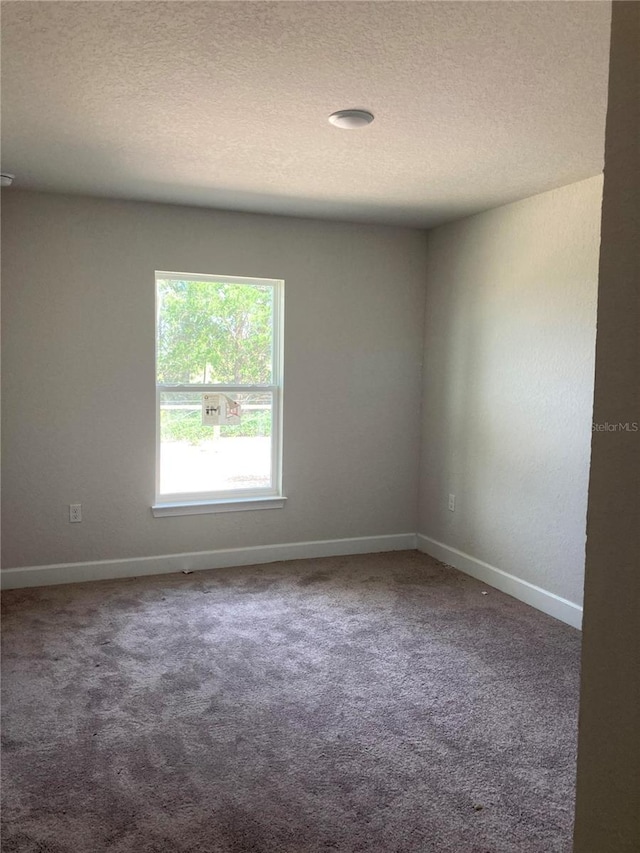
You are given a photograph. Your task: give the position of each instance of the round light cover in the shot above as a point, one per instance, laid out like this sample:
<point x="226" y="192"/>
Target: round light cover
<point x="351" y="119"/>
<point x="6" y="179"/>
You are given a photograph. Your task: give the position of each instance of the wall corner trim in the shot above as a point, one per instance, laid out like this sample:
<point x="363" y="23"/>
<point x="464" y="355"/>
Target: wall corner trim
<point x="30" y="576"/>
<point x="535" y="596"/>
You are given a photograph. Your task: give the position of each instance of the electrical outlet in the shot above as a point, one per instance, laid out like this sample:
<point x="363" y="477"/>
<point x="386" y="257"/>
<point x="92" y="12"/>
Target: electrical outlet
<point x="452" y="503"/>
<point x="75" y="512"/>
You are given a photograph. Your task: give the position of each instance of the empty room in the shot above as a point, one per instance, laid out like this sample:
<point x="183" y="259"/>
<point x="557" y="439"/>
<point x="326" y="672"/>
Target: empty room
<point x="320" y="427"/>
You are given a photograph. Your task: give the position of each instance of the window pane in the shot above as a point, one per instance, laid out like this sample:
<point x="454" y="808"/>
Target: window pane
<point x="214" y="332"/>
<point x="196" y="458"/>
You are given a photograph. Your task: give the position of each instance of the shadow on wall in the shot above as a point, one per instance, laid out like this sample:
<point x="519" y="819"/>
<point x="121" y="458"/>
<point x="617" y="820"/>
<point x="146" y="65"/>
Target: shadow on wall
<point x="508" y="383"/>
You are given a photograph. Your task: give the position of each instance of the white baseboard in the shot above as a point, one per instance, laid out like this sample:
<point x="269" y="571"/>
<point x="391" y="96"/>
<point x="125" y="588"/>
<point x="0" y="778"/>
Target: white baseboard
<point x="29" y="576"/>
<point x="533" y="595"/>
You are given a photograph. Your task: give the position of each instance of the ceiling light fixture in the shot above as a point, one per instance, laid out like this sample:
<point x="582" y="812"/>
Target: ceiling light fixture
<point x="6" y="179"/>
<point x="351" y="119"/>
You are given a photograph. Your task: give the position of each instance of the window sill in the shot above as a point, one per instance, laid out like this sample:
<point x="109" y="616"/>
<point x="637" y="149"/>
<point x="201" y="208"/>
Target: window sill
<point x="224" y="505"/>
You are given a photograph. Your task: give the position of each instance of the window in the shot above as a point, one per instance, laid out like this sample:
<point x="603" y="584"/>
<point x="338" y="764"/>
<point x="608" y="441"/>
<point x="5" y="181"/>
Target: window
<point x="218" y="393"/>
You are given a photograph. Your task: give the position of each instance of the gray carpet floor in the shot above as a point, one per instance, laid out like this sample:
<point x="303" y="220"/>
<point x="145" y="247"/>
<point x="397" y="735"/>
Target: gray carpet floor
<point x="369" y="703"/>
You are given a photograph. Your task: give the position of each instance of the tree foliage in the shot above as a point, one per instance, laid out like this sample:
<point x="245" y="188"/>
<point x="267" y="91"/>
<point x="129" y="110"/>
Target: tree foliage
<point x="214" y="332"/>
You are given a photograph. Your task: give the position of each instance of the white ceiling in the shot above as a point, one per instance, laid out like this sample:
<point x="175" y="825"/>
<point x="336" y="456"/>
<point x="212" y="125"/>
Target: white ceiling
<point x="225" y="104"/>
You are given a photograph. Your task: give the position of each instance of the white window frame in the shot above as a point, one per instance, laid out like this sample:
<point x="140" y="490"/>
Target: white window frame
<point x="269" y="497"/>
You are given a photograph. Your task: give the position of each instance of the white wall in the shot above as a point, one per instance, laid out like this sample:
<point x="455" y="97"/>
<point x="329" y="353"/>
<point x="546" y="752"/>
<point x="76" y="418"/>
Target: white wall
<point x="78" y="379"/>
<point x="508" y="385"/>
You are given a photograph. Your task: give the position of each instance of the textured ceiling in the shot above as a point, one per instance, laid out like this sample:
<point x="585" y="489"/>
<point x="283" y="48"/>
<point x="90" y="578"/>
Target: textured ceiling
<point x="225" y="104"/>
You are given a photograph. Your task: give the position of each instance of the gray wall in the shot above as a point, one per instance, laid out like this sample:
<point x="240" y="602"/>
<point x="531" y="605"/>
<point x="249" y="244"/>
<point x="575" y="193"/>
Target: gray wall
<point x="608" y="789"/>
<point x="78" y="379"/>
<point x="508" y="385"/>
